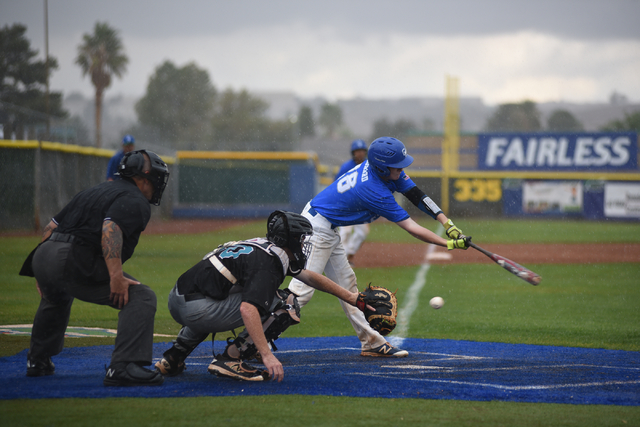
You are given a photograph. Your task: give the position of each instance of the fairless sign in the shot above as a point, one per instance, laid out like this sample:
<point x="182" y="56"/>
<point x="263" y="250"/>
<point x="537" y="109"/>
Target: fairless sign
<point x="558" y="151"/>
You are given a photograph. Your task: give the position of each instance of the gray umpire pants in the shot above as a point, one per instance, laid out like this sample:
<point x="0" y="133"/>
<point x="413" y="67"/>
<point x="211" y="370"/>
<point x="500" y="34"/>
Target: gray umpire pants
<point x="61" y="281"/>
<point x="201" y="316"/>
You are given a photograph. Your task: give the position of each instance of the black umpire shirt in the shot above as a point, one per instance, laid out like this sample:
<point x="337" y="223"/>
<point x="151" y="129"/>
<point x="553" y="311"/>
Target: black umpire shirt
<point x="119" y="201"/>
<point x="258" y="268"/>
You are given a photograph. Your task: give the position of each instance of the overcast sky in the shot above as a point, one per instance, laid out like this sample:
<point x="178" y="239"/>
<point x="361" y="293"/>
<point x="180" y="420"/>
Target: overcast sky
<point x="501" y="51"/>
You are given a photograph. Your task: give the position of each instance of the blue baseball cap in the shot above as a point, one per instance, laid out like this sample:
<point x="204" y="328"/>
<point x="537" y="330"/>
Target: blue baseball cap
<point x="358" y="144"/>
<point x="128" y="140"/>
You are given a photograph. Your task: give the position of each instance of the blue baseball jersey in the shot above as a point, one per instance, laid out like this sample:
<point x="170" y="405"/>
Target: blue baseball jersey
<point x="112" y="168"/>
<point x="346" y="167"/>
<point x="361" y="196"/>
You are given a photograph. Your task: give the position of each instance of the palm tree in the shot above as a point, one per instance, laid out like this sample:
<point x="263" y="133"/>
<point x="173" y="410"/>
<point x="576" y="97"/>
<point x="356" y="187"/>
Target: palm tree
<point x="101" y="56"/>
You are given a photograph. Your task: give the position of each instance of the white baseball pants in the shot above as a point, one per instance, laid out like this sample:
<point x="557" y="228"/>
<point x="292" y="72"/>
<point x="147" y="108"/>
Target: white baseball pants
<point x="329" y="257"/>
<point x="353" y="236"/>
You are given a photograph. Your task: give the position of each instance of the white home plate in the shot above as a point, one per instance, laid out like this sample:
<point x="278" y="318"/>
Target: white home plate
<point x="438" y="256"/>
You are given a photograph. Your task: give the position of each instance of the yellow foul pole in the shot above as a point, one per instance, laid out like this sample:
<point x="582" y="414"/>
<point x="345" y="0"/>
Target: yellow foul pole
<point x="451" y="140"/>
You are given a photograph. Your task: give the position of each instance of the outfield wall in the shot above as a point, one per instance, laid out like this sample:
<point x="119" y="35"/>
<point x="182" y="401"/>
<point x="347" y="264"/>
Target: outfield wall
<point x="529" y="195"/>
<point x="587" y="176"/>
<point x="243" y="184"/>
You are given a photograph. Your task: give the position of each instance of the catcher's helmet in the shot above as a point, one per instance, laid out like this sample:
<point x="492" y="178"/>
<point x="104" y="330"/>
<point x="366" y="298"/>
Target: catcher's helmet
<point x="132" y="164"/>
<point x="290" y="230"/>
<point x="387" y="152"/>
<point x="358" y="144"/>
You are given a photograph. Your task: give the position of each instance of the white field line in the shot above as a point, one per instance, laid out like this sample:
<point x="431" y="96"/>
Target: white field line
<point x="442" y="356"/>
<point x="306" y="350"/>
<point x="71" y="332"/>
<point x="505" y="387"/>
<point x="412" y="297"/>
<point x="516" y="368"/>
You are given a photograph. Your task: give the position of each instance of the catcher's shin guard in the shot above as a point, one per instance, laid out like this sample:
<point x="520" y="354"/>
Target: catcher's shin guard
<point x="285" y="311"/>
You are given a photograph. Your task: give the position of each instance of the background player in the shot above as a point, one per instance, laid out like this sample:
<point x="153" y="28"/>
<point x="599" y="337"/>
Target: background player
<point x="353" y="236"/>
<point x="237" y="284"/>
<point x="128" y="145"/>
<point x="81" y="256"/>
<point x="360" y="196"/>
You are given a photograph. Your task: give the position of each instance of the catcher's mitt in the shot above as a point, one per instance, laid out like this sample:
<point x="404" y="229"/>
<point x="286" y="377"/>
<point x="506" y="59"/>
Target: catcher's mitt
<point x="383" y="319"/>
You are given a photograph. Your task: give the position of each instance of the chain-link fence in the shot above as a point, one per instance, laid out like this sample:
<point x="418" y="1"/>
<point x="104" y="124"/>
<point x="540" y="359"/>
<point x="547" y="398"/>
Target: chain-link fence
<point x="243" y="184"/>
<point x="37" y="179"/>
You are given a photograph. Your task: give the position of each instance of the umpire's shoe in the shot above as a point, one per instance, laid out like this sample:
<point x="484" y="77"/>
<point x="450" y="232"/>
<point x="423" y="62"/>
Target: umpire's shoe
<point x="131" y="374"/>
<point x="39" y="368"/>
<point x="224" y="366"/>
<point x="385" y="350"/>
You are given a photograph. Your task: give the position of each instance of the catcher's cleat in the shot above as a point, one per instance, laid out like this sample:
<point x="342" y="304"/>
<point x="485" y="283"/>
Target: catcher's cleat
<point x="131" y="374"/>
<point x="40" y="368"/>
<point x="258" y="358"/>
<point x="172" y="363"/>
<point x="170" y="369"/>
<point x="237" y="369"/>
<point x="385" y="350"/>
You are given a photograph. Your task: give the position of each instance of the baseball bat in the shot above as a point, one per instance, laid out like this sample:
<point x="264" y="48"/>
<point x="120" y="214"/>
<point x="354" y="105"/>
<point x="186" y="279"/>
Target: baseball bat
<point x="512" y="267"/>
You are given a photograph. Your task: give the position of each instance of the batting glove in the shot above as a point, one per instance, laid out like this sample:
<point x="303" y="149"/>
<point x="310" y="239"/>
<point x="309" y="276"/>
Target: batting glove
<point x="453" y="232"/>
<point x="462" y="243"/>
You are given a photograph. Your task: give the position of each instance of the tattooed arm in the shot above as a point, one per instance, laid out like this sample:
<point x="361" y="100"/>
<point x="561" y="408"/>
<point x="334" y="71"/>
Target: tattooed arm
<point x="112" y="252"/>
<point x="48" y="230"/>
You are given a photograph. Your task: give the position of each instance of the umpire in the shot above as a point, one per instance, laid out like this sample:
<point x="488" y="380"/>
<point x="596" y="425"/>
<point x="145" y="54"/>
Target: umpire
<point x="81" y="256"/>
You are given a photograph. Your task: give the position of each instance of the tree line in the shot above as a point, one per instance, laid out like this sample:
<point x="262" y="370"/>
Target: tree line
<point x="182" y="108"/>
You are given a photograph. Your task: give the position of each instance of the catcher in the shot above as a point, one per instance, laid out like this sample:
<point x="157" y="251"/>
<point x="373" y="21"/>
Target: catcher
<point x="237" y="284"/>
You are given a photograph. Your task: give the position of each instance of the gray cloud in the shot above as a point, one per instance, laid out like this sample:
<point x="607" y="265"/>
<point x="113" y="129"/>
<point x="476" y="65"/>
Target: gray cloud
<point x="502" y="50"/>
<point x="576" y="19"/>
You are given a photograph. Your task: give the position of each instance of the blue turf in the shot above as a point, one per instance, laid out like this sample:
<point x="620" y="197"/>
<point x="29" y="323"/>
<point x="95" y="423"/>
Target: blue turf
<point x="435" y="369"/>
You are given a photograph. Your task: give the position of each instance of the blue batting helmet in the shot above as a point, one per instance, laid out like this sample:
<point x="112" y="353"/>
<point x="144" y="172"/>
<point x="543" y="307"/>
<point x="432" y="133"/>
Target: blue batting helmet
<point x="387" y="152"/>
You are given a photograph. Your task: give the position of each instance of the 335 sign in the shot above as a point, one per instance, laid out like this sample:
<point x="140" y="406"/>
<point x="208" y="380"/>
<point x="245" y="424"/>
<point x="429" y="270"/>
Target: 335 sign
<point x="477" y="190"/>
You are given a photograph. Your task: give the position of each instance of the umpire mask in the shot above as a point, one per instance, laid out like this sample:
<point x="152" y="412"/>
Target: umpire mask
<point x="132" y="164"/>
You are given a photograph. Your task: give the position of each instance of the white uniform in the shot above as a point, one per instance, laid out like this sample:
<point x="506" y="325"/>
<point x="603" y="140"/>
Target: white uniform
<point x="353" y="236"/>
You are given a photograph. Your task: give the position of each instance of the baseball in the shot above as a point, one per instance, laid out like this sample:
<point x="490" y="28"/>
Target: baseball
<point x="436" y="302"/>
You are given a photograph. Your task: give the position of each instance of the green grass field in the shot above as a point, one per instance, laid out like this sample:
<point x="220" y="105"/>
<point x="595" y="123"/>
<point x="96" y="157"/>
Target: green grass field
<point x="578" y="305"/>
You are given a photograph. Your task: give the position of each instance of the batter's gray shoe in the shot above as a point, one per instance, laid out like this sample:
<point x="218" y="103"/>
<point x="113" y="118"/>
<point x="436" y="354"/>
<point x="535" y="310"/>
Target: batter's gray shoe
<point x="40" y="368"/>
<point x="131" y="374"/>
<point x="385" y="350"/>
<point x="237" y="369"/>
